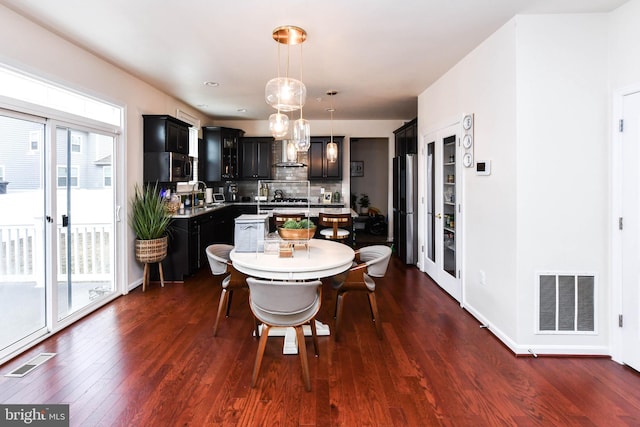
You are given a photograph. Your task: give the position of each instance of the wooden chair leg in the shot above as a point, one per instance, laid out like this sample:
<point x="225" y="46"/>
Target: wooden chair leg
<point x="221" y="304"/>
<point x="161" y="274"/>
<point x="374" y="310"/>
<point x="145" y="274"/>
<point x="261" y="346"/>
<point x="314" y="334"/>
<point x="302" y="351"/>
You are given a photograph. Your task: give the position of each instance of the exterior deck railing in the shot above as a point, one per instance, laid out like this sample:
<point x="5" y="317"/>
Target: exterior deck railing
<point x="90" y="250"/>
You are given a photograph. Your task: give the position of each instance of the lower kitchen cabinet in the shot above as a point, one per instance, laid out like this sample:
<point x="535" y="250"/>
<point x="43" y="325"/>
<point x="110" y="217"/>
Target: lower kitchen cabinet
<point x="189" y="240"/>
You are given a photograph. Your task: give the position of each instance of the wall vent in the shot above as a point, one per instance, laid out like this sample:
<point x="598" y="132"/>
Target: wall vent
<point x="32" y="364"/>
<point x="566" y="303"/>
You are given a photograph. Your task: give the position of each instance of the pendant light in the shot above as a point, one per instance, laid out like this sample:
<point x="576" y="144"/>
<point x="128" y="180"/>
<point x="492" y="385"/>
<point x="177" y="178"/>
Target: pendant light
<point x="301" y="128"/>
<point x="332" y="147"/>
<point x="279" y="125"/>
<point x="285" y="93"/>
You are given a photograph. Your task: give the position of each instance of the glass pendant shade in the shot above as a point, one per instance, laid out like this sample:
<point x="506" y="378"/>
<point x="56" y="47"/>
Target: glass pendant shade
<point x="279" y="125"/>
<point x="332" y="152"/>
<point x="285" y="93"/>
<point x="302" y="134"/>
<point x="292" y="152"/>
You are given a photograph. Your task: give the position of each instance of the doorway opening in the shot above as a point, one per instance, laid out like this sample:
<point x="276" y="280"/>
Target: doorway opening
<point x="369" y="176"/>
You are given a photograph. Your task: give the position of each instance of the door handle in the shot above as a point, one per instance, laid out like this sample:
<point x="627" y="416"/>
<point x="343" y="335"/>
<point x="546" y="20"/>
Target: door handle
<point x="65" y="221"/>
<point x="439" y="216"/>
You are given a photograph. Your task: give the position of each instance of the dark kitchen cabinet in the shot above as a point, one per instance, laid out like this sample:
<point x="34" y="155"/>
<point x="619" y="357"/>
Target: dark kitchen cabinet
<point x="218" y="154"/>
<point x="164" y="133"/>
<point x="189" y="239"/>
<point x="256" y="157"/>
<point x="319" y="167"/>
<point x="407" y="138"/>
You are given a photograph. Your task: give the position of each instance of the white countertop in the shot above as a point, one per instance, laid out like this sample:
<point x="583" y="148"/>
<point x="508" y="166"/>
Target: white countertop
<point x="313" y="211"/>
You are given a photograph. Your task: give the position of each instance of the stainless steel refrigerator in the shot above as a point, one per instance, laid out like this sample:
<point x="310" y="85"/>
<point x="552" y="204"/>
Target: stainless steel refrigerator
<point x="405" y="207"/>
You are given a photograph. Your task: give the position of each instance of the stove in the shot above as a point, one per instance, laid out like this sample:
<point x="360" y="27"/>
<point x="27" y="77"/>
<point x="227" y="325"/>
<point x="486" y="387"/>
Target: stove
<point x="300" y="200"/>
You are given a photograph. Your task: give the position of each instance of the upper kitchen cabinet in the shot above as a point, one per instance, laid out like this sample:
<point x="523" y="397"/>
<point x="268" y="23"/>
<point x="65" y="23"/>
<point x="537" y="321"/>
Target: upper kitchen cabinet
<point x="165" y="133"/>
<point x="407" y="138"/>
<point x="255" y="157"/>
<point x="319" y="167"/>
<point x="218" y="154"/>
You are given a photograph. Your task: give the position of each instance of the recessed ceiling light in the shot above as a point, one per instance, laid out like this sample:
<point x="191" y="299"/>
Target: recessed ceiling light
<point x="202" y="105"/>
<point x="211" y="84"/>
<point x="241" y="110"/>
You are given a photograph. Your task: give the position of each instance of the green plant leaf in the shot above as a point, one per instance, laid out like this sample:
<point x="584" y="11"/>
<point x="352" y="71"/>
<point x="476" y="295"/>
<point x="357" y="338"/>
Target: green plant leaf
<point x="148" y="217"/>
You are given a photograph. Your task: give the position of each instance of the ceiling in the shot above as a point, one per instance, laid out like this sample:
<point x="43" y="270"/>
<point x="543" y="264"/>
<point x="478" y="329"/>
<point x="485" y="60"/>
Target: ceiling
<point x="379" y="55"/>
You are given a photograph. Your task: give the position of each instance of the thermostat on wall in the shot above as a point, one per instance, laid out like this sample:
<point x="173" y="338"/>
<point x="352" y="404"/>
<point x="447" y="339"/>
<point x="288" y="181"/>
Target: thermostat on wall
<point x="483" y="167"/>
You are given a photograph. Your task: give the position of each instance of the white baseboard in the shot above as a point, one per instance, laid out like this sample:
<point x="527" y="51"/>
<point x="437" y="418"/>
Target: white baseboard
<point x="537" y="349"/>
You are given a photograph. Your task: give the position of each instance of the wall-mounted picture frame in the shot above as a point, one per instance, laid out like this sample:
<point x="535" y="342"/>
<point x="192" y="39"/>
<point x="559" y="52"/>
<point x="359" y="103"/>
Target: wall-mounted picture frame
<point x="357" y="168"/>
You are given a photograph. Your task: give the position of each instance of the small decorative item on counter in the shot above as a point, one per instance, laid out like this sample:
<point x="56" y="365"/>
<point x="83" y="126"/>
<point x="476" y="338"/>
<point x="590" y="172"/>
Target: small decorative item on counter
<point x="172" y="204"/>
<point x="286" y="250"/>
<point x="272" y="244"/>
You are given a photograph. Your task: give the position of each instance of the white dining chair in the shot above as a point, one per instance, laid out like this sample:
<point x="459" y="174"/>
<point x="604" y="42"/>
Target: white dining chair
<point x="285" y="304"/>
<point x="219" y="263"/>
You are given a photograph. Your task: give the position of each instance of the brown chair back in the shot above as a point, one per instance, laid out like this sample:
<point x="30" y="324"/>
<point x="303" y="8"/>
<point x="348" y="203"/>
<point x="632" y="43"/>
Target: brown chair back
<point x="281" y="218"/>
<point x="335" y="221"/>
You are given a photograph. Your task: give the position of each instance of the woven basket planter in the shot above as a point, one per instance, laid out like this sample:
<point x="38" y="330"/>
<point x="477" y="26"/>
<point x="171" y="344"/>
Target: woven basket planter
<point x="148" y="251"/>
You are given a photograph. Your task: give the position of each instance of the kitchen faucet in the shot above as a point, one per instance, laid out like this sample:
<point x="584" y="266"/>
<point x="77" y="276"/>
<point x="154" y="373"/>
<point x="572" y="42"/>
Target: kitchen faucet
<point x="194" y="189"/>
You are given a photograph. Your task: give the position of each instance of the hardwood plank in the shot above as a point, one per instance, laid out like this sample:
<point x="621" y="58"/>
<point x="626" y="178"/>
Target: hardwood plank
<point x="150" y="359"/>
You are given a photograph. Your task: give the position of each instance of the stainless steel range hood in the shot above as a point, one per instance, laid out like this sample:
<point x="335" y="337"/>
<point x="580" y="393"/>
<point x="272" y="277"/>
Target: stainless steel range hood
<point x="285" y="162"/>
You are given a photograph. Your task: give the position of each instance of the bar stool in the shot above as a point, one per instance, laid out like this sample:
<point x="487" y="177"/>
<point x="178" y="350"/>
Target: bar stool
<point x="338" y="226"/>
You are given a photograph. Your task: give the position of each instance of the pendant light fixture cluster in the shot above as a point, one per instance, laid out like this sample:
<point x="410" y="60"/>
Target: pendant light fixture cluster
<point x="287" y="94"/>
<point x="332" y="147"/>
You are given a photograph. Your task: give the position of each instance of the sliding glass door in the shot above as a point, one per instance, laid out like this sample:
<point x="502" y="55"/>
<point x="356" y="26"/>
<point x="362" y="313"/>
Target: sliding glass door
<point x="22" y="229"/>
<point x="56" y="225"/>
<point x="84" y="216"/>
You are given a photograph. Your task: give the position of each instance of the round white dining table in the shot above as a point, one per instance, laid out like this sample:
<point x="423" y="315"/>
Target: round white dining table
<point x="323" y="258"/>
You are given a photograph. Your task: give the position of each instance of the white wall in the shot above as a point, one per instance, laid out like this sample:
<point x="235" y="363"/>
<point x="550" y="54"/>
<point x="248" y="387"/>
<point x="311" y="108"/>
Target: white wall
<point x="483" y="83"/>
<point x="562" y="105"/>
<point x="538" y="89"/>
<point x="31" y="48"/>
<point x="624" y="60"/>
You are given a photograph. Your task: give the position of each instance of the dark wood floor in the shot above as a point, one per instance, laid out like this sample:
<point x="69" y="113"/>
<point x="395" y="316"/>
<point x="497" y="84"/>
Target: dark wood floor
<point x="148" y="359"/>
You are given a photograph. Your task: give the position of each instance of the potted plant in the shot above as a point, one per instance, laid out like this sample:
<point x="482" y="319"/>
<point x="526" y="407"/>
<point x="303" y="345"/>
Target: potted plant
<point x="364" y="203"/>
<point x="150" y="221"/>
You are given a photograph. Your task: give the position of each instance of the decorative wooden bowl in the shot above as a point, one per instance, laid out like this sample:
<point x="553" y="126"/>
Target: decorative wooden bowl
<point x="297" y="233"/>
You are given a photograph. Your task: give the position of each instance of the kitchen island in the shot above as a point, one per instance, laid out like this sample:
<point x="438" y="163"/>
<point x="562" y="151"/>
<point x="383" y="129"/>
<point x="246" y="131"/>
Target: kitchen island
<point x="196" y="228"/>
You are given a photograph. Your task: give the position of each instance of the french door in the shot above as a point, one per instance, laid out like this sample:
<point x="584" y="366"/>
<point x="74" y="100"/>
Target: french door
<point x="443" y="213"/>
<point x="56" y="225"/>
